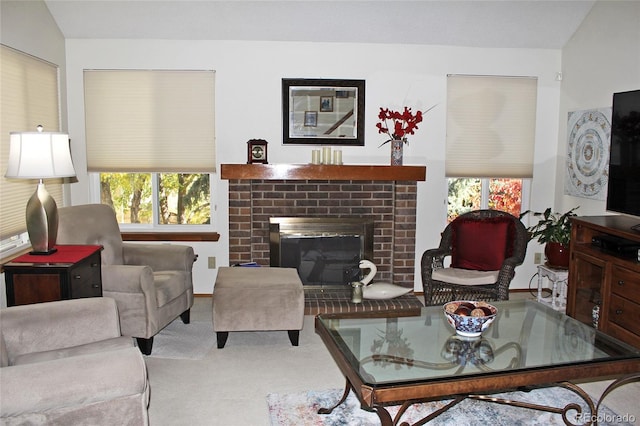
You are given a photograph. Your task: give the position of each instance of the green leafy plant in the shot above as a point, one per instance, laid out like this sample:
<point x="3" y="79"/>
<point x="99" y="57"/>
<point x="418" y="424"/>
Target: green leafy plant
<point x="552" y="227"/>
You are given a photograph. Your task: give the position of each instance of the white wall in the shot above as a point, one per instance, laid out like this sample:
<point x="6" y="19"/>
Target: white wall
<point x="603" y="57"/>
<point x="248" y="105"/>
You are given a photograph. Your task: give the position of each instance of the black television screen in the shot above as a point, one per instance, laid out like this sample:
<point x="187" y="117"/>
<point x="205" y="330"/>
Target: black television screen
<point x="624" y="159"/>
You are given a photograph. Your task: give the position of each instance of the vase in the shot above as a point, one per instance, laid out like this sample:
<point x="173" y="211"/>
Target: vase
<point x="396" y="152"/>
<point x="557" y="255"/>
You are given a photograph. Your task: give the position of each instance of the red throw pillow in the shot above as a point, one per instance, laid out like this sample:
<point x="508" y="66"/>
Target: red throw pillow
<point x="481" y="245"/>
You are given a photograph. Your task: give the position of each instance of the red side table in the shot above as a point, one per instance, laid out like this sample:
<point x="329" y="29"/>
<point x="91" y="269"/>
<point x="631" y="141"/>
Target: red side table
<point x="70" y="273"/>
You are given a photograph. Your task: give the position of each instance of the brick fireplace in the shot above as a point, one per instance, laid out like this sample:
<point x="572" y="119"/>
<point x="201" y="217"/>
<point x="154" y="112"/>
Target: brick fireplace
<point x="384" y="194"/>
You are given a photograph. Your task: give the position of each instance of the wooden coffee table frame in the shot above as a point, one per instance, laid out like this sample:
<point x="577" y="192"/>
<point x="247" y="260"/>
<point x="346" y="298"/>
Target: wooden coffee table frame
<point x="377" y="397"/>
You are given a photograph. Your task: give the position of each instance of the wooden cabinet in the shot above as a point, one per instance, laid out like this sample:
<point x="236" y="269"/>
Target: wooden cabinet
<point x="604" y="284"/>
<point x="585" y="286"/>
<point x="71" y="273"/>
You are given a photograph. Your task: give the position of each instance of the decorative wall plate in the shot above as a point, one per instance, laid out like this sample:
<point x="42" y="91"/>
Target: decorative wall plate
<point x="589" y="139"/>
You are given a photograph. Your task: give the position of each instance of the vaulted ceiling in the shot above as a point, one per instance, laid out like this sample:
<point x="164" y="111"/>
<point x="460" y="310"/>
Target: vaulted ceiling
<point x="475" y="23"/>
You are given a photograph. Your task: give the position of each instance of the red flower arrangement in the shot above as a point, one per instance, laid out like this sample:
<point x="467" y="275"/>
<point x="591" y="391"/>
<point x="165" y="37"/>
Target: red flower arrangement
<point x="402" y="124"/>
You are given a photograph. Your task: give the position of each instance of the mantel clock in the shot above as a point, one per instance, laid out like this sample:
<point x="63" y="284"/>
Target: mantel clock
<point x="257" y="151"/>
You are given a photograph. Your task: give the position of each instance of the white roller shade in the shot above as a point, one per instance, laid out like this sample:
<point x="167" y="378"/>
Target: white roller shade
<point x="28" y="97"/>
<point x="490" y="126"/>
<point x="150" y="121"/>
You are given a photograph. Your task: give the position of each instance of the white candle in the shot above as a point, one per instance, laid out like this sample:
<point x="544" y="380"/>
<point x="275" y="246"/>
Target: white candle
<point x="337" y="156"/>
<point x="315" y="156"/>
<point x="326" y="155"/>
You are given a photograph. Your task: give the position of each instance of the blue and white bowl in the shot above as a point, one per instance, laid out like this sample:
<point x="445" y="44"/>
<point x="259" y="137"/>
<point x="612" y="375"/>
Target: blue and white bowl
<point x="466" y="324"/>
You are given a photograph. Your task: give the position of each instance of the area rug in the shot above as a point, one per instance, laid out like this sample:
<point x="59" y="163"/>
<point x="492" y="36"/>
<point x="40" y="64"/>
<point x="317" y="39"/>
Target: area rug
<point x="300" y="409"/>
<point x="184" y="341"/>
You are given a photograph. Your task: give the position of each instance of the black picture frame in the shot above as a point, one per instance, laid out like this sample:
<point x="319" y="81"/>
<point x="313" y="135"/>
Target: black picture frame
<point x="310" y="118"/>
<point x="340" y="116"/>
<point x="326" y="103"/>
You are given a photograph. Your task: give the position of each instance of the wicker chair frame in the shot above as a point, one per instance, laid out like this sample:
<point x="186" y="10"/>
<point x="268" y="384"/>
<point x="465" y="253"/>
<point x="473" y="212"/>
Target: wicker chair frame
<point x="440" y="292"/>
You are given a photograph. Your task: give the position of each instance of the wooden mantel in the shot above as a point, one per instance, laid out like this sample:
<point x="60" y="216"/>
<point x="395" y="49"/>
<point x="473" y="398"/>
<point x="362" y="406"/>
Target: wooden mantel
<point x="322" y="172"/>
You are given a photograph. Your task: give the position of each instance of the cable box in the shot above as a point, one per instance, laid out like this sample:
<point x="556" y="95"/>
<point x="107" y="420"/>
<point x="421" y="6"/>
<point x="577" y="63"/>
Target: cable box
<point x="617" y="246"/>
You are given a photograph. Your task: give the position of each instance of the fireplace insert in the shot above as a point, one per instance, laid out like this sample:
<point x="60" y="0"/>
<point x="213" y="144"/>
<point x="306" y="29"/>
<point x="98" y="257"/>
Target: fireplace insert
<point x="326" y="252"/>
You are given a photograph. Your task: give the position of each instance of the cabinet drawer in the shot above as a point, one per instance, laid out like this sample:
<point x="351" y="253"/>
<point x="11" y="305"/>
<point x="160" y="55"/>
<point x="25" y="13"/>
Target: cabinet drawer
<point x="625" y="283"/>
<point x="84" y="278"/>
<point x="85" y="289"/>
<point x="625" y="313"/>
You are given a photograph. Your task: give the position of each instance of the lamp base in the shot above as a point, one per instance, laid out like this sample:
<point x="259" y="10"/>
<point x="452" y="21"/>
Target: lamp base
<point x="42" y="221"/>
<point x="43" y="253"/>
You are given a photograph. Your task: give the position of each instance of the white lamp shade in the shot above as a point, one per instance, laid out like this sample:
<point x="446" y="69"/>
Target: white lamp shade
<point x="38" y="155"/>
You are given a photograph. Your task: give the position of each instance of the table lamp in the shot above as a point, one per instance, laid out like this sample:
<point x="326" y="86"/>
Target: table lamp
<point x="40" y="155"/>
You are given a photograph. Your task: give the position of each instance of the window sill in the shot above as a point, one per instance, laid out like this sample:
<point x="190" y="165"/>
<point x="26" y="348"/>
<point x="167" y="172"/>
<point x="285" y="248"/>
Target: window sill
<point x="12" y="256"/>
<point x="170" y="236"/>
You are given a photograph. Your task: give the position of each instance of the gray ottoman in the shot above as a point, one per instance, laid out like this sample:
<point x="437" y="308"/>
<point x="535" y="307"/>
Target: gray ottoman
<point x="257" y="299"/>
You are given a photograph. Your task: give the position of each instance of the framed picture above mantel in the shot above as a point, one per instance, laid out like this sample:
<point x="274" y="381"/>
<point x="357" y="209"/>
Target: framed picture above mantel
<point x="323" y="111"/>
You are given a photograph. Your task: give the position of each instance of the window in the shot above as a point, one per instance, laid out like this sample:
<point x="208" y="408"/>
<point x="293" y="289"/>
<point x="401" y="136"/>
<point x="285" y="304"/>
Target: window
<point x="490" y="141"/>
<point x="150" y="144"/>
<point x="180" y="198"/>
<point x="466" y="194"/>
<point x="29" y="97"/>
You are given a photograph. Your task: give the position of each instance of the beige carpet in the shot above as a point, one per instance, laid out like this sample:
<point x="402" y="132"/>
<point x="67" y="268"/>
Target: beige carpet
<point x="184" y="341"/>
<point x="229" y="386"/>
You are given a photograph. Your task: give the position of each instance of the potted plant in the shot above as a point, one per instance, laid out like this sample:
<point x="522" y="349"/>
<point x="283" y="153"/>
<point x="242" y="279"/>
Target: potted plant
<point x="554" y="231"/>
<point x="397" y="125"/>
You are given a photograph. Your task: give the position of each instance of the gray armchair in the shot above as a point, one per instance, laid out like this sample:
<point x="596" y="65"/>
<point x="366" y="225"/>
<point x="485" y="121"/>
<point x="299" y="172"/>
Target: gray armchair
<point x="484" y="246"/>
<point x="65" y="363"/>
<point x="151" y="283"/>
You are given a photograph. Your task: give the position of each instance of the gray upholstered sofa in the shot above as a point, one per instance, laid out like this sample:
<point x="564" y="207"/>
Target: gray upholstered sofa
<point x="66" y="363"/>
<point x="151" y="283"/>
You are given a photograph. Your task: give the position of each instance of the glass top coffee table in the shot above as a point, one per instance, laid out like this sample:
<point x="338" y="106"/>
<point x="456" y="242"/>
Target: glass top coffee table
<point x="401" y="358"/>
